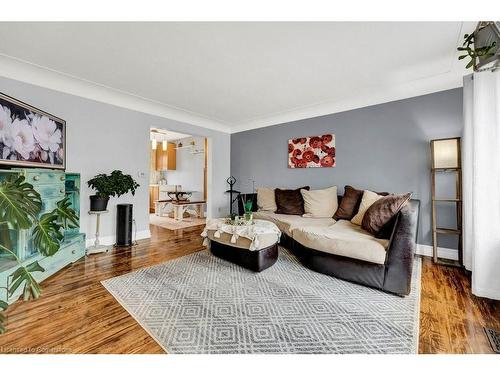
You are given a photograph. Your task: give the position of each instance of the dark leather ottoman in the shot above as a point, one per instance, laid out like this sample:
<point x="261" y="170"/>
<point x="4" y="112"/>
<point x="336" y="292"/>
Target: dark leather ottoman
<point x="254" y="260"/>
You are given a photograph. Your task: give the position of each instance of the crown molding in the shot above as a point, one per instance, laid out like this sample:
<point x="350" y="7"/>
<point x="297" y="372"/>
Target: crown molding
<point x="27" y="72"/>
<point x="33" y="74"/>
<point x="371" y="97"/>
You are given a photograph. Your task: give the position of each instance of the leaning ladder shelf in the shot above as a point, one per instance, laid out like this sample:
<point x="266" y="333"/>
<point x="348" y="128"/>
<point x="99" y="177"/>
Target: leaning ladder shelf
<point x="457" y="231"/>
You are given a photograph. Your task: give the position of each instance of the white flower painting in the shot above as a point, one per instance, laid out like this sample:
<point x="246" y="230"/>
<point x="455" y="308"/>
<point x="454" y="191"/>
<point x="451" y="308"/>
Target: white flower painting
<point x="29" y="136"/>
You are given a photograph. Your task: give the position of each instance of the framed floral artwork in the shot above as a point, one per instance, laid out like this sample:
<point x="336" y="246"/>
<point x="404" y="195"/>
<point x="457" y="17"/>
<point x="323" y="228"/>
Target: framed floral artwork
<point x="312" y="152"/>
<point x="30" y="137"/>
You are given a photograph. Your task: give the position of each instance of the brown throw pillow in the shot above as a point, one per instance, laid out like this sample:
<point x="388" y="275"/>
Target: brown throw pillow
<point x="290" y="202"/>
<point x="349" y="205"/>
<point x="382" y="211"/>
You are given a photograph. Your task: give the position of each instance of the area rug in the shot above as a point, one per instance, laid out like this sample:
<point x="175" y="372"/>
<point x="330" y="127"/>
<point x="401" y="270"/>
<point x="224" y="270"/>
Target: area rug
<point x="202" y="304"/>
<point x="172" y="224"/>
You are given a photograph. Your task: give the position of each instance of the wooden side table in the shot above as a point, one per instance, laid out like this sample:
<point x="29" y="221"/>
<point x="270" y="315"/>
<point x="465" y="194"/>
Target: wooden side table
<point x="97" y="247"/>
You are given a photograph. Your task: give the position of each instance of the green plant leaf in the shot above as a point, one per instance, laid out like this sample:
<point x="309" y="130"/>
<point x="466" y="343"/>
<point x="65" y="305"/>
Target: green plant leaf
<point x="22" y="275"/>
<point x="470" y="64"/>
<point x="32" y="291"/>
<point x="66" y="215"/>
<point x="3" y="307"/>
<point x="2" y="320"/>
<point x="462" y="57"/>
<point x="47" y="235"/>
<point x="248" y="206"/>
<point x="34" y="267"/>
<point x="123" y="183"/>
<point x="19" y="202"/>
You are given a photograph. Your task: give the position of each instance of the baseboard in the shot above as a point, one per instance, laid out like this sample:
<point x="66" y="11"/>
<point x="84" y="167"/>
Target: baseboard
<point x="443" y="252"/>
<point x="425" y="250"/>
<point x="486" y="293"/>
<point x="110" y="240"/>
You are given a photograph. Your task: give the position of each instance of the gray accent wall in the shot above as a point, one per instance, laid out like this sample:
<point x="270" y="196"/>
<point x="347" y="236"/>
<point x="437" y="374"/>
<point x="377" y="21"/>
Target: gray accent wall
<point x="103" y="137"/>
<point x="383" y="147"/>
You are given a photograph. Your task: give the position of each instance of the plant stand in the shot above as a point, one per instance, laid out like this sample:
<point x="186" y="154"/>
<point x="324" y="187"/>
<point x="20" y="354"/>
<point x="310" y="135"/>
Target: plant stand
<point x="97" y="247"/>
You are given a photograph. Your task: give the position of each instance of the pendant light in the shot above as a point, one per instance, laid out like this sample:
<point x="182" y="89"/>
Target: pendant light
<point x="153" y="144"/>
<point x="164" y="145"/>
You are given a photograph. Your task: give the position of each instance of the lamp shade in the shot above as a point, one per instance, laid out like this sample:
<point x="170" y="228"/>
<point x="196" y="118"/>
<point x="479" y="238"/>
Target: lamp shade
<point x="445" y="153"/>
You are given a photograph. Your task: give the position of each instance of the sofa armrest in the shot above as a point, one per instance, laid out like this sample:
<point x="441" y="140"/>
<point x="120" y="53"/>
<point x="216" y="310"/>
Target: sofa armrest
<point x="401" y="251"/>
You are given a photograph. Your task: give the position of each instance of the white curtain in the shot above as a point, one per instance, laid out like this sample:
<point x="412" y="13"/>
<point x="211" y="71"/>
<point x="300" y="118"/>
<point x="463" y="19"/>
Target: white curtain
<point x="481" y="181"/>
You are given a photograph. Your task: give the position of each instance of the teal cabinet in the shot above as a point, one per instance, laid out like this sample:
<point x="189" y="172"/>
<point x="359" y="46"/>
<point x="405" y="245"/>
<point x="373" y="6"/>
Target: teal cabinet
<point x="53" y="186"/>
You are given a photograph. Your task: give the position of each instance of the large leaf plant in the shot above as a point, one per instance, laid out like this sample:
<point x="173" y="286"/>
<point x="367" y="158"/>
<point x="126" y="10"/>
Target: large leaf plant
<point x="20" y="208"/>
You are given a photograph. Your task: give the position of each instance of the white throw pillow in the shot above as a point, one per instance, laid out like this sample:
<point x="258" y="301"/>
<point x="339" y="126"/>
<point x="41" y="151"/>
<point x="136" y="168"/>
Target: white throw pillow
<point x="369" y="197"/>
<point x="266" y="200"/>
<point x="320" y="203"/>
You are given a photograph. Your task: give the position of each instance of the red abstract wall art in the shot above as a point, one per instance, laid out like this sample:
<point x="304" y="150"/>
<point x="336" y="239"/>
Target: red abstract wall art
<point x="312" y="152"/>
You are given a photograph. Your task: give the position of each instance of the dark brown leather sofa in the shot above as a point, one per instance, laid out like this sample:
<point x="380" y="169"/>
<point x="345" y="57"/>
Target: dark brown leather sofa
<point x="394" y="276"/>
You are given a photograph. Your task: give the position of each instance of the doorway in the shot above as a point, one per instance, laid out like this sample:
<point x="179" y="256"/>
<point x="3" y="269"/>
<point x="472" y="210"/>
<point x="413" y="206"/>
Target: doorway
<point x="178" y="179"/>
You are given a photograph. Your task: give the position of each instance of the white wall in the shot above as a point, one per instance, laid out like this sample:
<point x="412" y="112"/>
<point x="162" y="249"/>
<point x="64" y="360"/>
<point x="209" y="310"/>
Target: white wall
<point x="189" y="168"/>
<point x="103" y="137"/>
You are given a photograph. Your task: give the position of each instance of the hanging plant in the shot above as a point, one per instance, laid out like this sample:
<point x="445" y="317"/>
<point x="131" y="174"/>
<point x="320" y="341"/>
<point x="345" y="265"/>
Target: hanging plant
<point x="475" y="53"/>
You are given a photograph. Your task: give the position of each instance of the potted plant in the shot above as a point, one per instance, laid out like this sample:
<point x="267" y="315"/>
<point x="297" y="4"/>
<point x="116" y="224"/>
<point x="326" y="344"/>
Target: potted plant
<point x="115" y="184"/>
<point x="21" y="208"/>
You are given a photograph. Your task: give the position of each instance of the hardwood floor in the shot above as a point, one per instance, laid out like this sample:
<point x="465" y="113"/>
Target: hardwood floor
<point x="77" y="315"/>
<point x="451" y="318"/>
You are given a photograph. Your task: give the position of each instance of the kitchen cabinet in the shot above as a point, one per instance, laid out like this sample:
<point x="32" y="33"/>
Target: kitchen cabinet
<point x="154" y="191"/>
<point x="166" y="159"/>
<point x="152" y="160"/>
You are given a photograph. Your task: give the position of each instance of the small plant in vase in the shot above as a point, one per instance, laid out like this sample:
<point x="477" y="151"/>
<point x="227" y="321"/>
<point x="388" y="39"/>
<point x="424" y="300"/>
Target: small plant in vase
<point x="115" y="184"/>
<point x="247" y="206"/>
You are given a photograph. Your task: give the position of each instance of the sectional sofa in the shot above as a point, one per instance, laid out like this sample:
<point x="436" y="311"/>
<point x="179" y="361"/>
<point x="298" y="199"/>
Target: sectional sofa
<point x="344" y="250"/>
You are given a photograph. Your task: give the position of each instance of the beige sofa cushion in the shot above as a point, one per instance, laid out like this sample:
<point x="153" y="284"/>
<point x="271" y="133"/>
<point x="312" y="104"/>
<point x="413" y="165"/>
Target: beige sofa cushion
<point x="287" y="223"/>
<point x="265" y="240"/>
<point x="320" y="203"/>
<point x="266" y="200"/>
<point x="369" y="197"/>
<point x="344" y="239"/>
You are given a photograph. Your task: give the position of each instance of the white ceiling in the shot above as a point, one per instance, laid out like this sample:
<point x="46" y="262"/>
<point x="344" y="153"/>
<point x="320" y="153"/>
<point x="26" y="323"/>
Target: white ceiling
<point x="236" y="76"/>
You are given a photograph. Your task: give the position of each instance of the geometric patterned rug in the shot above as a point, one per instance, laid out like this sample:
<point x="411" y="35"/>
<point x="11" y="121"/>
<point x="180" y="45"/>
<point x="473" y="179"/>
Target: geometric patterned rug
<point x="202" y="304"/>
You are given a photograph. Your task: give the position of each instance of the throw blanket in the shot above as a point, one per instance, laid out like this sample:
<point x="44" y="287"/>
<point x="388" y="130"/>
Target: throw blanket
<point x="251" y="231"/>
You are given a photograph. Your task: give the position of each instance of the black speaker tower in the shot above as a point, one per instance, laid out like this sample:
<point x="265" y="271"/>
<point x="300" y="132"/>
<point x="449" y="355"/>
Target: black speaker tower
<point x="123" y="225"/>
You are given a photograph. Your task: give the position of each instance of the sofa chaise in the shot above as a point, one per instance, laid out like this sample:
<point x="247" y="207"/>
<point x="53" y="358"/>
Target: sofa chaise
<point x="344" y="250"/>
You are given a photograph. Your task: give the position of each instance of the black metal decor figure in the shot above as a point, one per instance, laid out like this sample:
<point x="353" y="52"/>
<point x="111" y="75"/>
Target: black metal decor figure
<point x="231" y="181"/>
